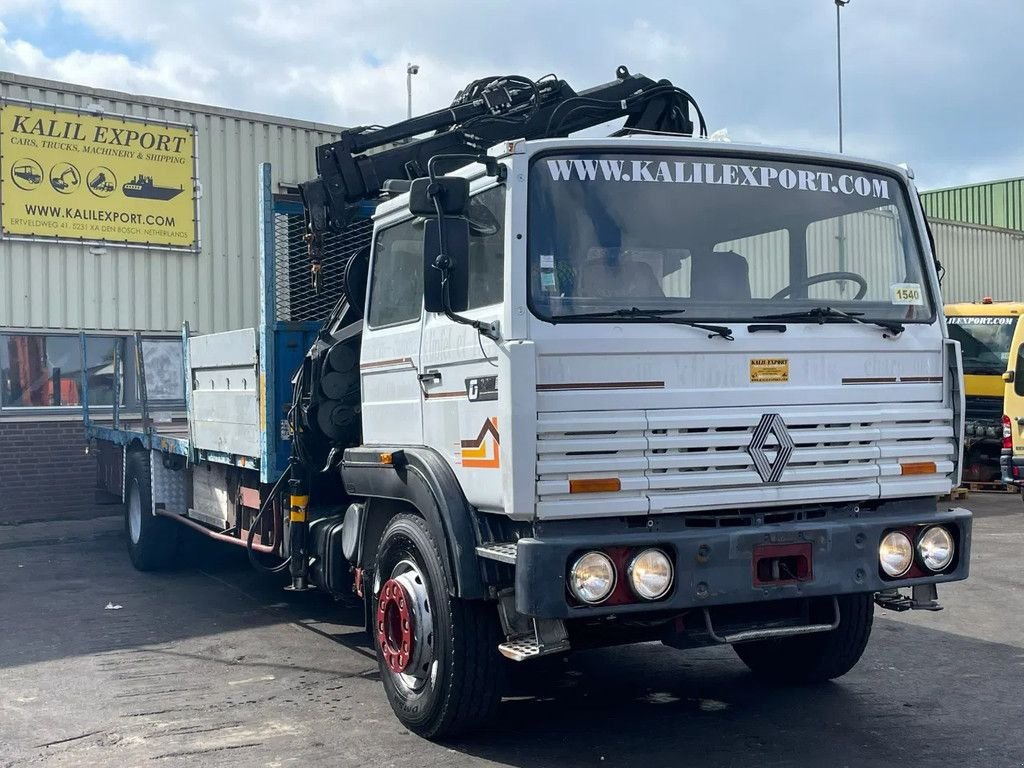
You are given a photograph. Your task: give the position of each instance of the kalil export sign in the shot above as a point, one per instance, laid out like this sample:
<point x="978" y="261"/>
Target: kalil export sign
<point x="68" y="175"/>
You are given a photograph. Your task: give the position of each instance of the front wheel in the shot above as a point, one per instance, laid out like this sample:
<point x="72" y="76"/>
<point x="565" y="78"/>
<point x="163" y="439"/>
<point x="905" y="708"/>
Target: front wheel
<point x="438" y="654"/>
<point x="818" y="657"/>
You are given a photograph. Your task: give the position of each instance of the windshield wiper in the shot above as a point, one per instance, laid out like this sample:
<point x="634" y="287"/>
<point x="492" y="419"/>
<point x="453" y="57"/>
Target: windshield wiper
<point x="661" y="315"/>
<point x="823" y="313"/>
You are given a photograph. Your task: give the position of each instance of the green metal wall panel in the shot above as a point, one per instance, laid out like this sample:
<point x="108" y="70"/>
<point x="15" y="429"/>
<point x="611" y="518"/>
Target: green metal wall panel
<point x="993" y="204"/>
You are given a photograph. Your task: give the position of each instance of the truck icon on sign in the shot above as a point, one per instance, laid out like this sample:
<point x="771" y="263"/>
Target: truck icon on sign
<point x="27" y="174"/>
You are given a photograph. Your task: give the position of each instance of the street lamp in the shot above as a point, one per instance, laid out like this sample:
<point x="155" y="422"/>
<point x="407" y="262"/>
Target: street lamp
<point x="413" y="69"/>
<point x="839" y="69"/>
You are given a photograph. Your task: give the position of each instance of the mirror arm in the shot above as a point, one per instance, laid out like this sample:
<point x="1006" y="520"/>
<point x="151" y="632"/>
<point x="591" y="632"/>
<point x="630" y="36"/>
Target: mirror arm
<point x="443" y="264"/>
<point x="491" y="164"/>
<point x="490" y="330"/>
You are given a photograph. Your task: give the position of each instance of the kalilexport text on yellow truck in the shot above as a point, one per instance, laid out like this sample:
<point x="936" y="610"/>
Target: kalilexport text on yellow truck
<point x="987" y="331"/>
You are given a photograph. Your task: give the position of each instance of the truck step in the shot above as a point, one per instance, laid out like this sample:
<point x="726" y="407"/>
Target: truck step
<point x="526" y="647"/>
<point x="503" y="552"/>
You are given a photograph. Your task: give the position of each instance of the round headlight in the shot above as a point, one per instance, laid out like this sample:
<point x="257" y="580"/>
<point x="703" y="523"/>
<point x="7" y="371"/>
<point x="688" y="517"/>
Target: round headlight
<point x="650" y="574"/>
<point x="592" y="577"/>
<point x="895" y="554"/>
<point x="935" y="547"/>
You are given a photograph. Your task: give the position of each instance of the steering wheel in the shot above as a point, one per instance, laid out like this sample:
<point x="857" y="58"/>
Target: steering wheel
<point x="826" y="277"/>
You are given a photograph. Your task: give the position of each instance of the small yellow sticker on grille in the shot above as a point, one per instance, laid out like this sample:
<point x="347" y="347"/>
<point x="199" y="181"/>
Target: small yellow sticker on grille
<point x="765" y="369"/>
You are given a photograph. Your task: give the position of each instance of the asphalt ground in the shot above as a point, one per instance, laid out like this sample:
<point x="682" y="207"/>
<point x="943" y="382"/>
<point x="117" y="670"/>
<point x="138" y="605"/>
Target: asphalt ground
<point x="214" y="665"/>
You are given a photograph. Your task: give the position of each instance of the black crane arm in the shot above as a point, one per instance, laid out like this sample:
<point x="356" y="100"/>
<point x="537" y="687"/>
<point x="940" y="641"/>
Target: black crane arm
<point x="486" y="112"/>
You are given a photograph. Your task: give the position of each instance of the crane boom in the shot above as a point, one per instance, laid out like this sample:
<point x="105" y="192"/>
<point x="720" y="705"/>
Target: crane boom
<point x="486" y="112"/>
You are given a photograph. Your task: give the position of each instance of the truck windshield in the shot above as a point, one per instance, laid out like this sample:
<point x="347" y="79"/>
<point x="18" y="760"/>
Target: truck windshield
<point x="984" y="342"/>
<point x="720" y="239"/>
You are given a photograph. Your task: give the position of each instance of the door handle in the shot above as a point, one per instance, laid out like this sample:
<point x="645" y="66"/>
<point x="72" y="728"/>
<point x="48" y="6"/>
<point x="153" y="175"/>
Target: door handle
<point x="430" y="377"/>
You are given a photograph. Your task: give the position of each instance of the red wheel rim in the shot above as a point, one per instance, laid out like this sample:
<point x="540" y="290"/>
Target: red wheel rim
<point x="395" y="626"/>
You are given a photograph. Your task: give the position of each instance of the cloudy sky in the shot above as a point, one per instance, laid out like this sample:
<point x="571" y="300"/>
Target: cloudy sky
<point x="935" y="83"/>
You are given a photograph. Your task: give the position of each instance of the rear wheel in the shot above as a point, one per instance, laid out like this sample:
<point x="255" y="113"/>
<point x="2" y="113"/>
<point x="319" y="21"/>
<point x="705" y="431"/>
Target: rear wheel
<point x="818" y="657"/>
<point x="438" y="654"/>
<point x="152" y="540"/>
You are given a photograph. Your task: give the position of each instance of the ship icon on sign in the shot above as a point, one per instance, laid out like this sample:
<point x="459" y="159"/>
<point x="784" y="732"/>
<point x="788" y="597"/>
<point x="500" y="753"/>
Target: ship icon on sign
<point x="143" y="186"/>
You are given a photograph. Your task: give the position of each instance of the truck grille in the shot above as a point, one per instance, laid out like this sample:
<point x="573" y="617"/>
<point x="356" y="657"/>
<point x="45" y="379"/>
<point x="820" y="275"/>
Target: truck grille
<point x="688" y="460"/>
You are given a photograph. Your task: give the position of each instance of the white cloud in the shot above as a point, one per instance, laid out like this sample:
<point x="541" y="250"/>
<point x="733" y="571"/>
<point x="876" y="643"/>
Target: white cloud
<point x="916" y="73"/>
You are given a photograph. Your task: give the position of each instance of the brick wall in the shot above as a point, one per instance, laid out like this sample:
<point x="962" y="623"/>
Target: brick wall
<point x="45" y="473"/>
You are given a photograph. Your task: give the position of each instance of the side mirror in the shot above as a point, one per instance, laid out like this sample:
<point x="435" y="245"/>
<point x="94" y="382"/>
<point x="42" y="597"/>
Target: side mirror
<point x="456" y="249"/>
<point x="452" y="192"/>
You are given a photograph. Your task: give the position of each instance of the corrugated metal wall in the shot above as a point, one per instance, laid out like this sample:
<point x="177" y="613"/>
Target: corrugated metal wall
<point x="979" y="262"/>
<point x="870" y="246"/>
<point x="47" y="285"/>
<point x="994" y="204"/>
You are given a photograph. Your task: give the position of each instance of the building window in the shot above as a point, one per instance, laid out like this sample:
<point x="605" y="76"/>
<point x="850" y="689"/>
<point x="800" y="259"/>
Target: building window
<point x="165" y="370"/>
<point x="45" y="371"/>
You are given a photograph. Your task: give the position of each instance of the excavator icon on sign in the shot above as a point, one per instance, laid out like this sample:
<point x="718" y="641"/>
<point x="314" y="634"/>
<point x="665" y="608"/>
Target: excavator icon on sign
<point x="64" y="178"/>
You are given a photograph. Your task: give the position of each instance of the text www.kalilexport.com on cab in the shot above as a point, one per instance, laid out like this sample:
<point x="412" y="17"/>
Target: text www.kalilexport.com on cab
<point x="87" y="214"/>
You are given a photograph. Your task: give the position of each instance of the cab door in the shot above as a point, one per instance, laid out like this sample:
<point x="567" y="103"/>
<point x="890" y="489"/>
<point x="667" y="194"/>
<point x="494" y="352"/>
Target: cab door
<point x="390" y="357"/>
<point x="459" y="367"/>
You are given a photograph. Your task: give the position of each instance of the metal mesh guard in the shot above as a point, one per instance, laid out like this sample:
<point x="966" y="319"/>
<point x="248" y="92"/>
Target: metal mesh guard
<point x="295" y="301"/>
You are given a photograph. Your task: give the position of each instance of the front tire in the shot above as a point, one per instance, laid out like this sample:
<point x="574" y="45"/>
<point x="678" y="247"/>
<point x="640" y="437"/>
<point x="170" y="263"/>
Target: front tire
<point x="818" y="657"/>
<point x="152" y="541"/>
<point x="438" y="654"/>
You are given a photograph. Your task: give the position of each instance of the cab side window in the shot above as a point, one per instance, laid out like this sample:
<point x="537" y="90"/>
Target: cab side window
<point x="396" y="285"/>
<point x="486" y="247"/>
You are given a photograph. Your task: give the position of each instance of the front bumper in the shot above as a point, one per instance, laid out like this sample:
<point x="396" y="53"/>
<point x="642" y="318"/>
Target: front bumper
<point x="714" y="566"/>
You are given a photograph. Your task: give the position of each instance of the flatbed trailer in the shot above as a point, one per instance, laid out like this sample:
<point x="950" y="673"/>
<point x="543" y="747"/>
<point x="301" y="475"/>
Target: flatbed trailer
<point x="232" y="393"/>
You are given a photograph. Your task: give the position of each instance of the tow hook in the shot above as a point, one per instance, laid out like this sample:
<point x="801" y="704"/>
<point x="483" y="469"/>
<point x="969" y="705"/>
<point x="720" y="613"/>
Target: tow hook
<point x="923" y="597"/>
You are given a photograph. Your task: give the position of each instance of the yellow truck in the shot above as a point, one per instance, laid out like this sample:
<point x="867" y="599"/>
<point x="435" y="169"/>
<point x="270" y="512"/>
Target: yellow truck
<point x="987" y="331"/>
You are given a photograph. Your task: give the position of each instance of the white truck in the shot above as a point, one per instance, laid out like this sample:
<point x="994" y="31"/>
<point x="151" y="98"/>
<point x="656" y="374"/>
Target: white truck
<point x="582" y="392"/>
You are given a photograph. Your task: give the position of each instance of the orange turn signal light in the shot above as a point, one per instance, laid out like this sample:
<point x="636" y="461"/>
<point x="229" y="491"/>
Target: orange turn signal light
<point x="595" y="485"/>
<point x="918" y="468"/>
<point x="387" y="459"/>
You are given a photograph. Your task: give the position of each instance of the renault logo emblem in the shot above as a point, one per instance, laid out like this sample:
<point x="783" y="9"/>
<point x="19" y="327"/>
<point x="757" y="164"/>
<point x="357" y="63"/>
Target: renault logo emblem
<point x="771" y="426"/>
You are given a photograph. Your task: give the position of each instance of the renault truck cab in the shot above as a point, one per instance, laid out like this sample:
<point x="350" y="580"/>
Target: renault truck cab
<point x="986" y="331"/>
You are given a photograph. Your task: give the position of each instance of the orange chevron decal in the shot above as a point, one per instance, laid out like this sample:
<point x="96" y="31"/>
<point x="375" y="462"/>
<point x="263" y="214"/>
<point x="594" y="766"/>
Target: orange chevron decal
<point x="475" y="452"/>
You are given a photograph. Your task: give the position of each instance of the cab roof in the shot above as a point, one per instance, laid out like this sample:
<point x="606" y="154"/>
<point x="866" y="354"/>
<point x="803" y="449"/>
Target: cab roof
<point x="475" y="171"/>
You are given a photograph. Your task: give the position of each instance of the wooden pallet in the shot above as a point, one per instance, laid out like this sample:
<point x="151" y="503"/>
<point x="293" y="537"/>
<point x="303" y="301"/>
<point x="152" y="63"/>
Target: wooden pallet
<point x="989" y="488"/>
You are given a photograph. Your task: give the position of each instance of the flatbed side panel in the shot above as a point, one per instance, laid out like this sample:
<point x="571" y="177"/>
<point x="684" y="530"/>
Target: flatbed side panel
<point x="122" y="436"/>
<point x="223" y="376"/>
<point x="230" y="349"/>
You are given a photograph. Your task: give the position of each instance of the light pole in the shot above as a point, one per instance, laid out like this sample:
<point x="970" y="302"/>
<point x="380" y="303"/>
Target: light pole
<point x="839" y="68"/>
<point x="413" y="69"/>
<point x="841" y="232"/>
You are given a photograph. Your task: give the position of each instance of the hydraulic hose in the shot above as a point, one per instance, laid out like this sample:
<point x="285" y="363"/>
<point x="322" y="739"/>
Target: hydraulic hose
<point x="253" y="561"/>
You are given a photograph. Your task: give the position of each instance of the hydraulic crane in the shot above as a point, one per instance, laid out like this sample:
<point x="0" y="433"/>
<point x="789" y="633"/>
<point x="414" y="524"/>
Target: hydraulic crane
<point x="356" y="167"/>
<point x="368" y="162"/>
